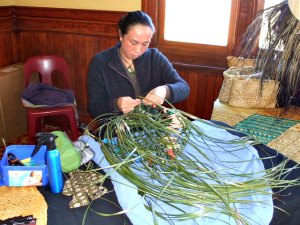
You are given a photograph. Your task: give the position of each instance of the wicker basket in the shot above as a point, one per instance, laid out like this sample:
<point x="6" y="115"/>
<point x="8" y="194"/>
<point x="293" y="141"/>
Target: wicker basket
<point x="247" y="93"/>
<point x="229" y="76"/>
<point x="242" y="88"/>
<point x="239" y="62"/>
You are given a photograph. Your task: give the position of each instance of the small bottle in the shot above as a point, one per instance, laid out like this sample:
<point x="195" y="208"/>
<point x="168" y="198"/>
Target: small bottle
<point x="54" y="168"/>
<point x="53" y="162"/>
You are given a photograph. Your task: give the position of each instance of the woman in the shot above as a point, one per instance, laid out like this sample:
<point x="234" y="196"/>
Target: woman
<point x="119" y="76"/>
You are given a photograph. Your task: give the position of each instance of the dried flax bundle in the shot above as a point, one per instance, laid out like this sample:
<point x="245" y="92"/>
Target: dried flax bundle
<point x="278" y="56"/>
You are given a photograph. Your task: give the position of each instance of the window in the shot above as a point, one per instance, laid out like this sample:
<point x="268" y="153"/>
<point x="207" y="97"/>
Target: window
<point x="198" y="32"/>
<point x="197" y="22"/>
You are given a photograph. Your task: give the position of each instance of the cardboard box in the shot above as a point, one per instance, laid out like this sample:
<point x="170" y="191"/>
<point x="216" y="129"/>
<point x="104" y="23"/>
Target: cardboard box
<point x="33" y="175"/>
<point x="13" y="116"/>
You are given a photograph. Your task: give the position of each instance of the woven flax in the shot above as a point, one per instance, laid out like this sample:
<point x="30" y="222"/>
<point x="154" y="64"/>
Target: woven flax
<point x="247" y="93"/>
<point x="230" y="115"/>
<point x="23" y="201"/>
<point x="239" y="62"/>
<point x="288" y="143"/>
<point x="229" y="76"/>
<point x="265" y="128"/>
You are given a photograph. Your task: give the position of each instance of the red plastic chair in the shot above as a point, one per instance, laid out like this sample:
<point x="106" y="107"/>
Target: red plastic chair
<point x="45" y="66"/>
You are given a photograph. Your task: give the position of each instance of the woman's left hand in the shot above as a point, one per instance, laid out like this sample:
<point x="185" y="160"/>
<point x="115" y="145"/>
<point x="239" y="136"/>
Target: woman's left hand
<point x="156" y="96"/>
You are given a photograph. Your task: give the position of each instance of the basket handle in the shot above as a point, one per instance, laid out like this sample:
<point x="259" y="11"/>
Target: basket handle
<point x="237" y="69"/>
<point x="254" y="75"/>
<point x="234" y="69"/>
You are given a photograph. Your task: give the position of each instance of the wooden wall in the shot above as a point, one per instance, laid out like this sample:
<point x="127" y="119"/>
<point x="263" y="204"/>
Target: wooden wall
<point x="8" y="44"/>
<point x="78" y="35"/>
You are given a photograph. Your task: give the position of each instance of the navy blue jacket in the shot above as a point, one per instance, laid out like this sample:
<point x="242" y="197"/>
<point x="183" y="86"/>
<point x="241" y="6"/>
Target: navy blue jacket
<point x="108" y="80"/>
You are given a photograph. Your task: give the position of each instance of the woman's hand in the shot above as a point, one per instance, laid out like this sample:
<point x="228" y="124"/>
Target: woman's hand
<point x="156" y="96"/>
<point x="127" y="104"/>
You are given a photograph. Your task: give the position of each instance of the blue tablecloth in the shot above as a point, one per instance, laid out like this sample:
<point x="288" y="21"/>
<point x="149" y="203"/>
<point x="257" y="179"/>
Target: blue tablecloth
<point x="239" y="158"/>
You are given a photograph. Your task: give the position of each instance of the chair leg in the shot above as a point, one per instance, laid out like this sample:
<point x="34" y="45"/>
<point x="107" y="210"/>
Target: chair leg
<point x="31" y="129"/>
<point x="74" y="128"/>
<point x="64" y="122"/>
<point x="68" y="123"/>
<point x="34" y="125"/>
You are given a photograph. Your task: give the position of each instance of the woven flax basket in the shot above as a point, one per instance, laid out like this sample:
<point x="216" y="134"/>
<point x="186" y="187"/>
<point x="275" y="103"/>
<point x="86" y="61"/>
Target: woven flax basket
<point x="247" y="93"/>
<point x="242" y="88"/>
<point x="239" y="62"/>
<point x="229" y="75"/>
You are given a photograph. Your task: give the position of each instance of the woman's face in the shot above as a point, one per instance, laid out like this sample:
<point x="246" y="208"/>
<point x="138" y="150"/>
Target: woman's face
<point x="37" y="175"/>
<point x="136" y="41"/>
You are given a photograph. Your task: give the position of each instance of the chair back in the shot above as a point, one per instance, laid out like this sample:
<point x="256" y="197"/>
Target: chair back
<point x="45" y="65"/>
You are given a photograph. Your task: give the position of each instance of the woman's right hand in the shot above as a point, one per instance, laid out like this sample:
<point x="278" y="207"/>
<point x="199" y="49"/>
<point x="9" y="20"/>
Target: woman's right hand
<point x="127" y="104"/>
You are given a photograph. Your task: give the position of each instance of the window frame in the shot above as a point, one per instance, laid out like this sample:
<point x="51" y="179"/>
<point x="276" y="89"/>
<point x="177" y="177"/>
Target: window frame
<point x="242" y="14"/>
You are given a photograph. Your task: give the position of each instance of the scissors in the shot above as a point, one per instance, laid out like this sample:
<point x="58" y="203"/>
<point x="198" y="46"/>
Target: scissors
<point x="13" y="160"/>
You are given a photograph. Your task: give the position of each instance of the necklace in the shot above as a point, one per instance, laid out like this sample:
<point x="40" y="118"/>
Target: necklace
<point x="129" y="66"/>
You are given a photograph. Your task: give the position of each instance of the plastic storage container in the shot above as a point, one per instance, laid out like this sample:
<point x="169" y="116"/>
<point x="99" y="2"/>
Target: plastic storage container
<point x="34" y="175"/>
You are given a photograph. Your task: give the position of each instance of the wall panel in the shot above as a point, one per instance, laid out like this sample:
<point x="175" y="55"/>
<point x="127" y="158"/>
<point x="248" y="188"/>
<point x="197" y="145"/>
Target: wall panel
<point x="8" y="43"/>
<point x="78" y="35"/>
<point x="205" y="84"/>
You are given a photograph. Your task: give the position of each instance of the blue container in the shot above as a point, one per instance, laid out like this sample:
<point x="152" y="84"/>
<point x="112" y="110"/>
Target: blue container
<point x="36" y="175"/>
<point x="54" y="168"/>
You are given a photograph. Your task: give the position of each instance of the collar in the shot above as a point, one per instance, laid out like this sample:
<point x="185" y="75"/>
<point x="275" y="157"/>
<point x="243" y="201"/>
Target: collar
<point x="115" y="60"/>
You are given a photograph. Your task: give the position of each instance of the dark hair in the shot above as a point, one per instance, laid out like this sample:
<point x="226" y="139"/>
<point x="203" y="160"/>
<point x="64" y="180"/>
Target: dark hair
<point x="134" y="18"/>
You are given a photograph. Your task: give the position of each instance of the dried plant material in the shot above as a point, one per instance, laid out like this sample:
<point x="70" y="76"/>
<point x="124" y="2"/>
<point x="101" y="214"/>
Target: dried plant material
<point x="239" y="62"/>
<point x="279" y="55"/>
<point x="23" y="201"/>
<point x="145" y="150"/>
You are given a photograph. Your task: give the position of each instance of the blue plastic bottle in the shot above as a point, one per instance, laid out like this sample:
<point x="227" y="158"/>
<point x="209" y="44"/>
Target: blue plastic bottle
<point x="54" y="170"/>
<point x="53" y="162"/>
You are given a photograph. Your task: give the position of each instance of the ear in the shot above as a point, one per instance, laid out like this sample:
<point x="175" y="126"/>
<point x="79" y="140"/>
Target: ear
<point x="120" y="35"/>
